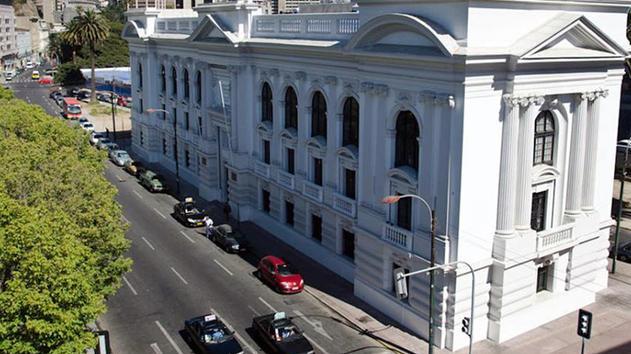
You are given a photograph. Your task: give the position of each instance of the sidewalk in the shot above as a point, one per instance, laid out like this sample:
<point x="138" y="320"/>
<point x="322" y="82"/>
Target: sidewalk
<point x="611" y="322"/>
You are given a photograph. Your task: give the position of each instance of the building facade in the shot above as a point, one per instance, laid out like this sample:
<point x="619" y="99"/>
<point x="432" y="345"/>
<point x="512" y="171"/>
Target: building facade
<point x="8" y="38"/>
<point x="502" y="115"/>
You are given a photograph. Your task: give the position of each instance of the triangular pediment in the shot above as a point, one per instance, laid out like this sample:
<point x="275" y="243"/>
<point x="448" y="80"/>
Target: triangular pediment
<point x="568" y="37"/>
<point x="210" y="30"/>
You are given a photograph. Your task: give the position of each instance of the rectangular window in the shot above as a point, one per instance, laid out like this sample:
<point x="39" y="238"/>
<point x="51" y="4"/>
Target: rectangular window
<point x="316" y="228"/>
<point x="187" y="123"/>
<point x="164" y="146"/>
<point x="290" y="161"/>
<point x="142" y="139"/>
<point x="317" y="171"/>
<point x="266" y="201"/>
<point x="348" y="244"/>
<point x="289" y="213"/>
<point x="542" y="278"/>
<point x="404" y="213"/>
<point x="538" y="211"/>
<point x="164" y="112"/>
<point x="349" y="183"/>
<point x="199" y="125"/>
<point x="174" y="116"/>
<point x="140" y="107"/>
<point x="187" y="158"/>
<point x="266" y="151"/>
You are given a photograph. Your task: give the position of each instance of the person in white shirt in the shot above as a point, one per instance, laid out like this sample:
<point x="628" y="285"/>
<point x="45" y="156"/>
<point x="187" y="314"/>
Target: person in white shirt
<point x="209" y="226"/>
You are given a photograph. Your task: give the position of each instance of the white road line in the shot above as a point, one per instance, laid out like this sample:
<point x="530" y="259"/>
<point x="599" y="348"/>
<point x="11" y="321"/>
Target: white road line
<point x="177" y="349"/>
<point x="159" y="213"/>
<point x="320" y="349"/>
<point x="224" y="268"/>
<point x="148" y="244"/>
<point x="129" y="285"/>
<point x="138" y="194"/>
<point x="155" y="348"/>
<point x="187" y="236"/>
<point x="253" y="310"/>
<point x="179" y="276"/>
<point x="268" y="305"/>
<point x="316" y="324"/>
<point x="239" y="337"/>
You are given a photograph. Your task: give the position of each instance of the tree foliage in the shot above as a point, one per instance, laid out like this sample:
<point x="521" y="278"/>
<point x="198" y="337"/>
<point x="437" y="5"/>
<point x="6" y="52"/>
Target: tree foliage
<point x="61" y="234"/>
<point x="69" y="74"/>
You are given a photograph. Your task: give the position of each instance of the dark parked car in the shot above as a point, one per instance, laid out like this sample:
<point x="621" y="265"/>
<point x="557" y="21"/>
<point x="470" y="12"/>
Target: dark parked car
<point x="281" y="334"/>
<point x="151" y="181"/>
<point x="54" y="94"/>
<point x="228" y="239"/>
<point x="279" y="275"/>
<point x="624" y="252"/>
<point x="211" y="336"/>
<point x="188" y="213"/>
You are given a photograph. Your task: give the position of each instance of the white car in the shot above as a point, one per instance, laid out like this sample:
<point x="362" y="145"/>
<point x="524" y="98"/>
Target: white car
<point x="30" y="65"/>
<point x="95" y="137"/>
<point x="119" y="157"/>
<point x="82" y="121"/>
<point x="88" y="127"/>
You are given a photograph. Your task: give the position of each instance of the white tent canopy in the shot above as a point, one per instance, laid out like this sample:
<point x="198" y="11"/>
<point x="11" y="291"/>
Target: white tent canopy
<point x="122" y="74"/>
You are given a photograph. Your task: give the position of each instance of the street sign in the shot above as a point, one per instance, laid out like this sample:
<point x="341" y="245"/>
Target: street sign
<point x="584" y="324"/>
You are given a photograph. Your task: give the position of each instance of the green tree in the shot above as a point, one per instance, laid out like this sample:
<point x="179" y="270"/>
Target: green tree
<point x="61" y="234"/>
<point x="88" y="29"/>
<point x="69" y="74"/>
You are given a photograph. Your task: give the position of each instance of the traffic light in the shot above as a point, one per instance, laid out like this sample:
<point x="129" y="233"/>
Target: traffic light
<point x="584" y="324"/>
<point x="400" y="285"/>
<point x="465" y="325"/>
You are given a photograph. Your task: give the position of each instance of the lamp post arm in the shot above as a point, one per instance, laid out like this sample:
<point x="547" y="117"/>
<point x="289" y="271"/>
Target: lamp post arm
<point x="429" y="209"/>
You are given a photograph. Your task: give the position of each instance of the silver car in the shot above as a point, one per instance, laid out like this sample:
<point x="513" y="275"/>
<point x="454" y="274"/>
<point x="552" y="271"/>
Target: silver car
<point x="119" y="157"/>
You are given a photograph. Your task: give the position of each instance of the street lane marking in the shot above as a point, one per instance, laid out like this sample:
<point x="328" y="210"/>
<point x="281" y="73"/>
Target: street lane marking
<point x="138" y="194"/>
<point x="224" y="268"/>
<point x="148" y="244"/>
<point x="177" y="349"/>
<point x="320" y="349"/>
<point x="268" y="305"/>
<point x="253" y="310"/>
<point x="159" y="213"/>
<point x="239" y="337"/>
<point x="129" y="285"/>
<point x="185" y="235"/>
<point x="155" y="348"/>
<point x="316" y="324"/>
<point x="179" y="276"/>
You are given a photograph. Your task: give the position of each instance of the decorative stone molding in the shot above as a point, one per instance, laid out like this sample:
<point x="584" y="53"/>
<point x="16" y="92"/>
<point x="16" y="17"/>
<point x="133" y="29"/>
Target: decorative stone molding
<point x="531" y="100"/>
<point x="274" y="73"/>
<point x="381" y="90"/>
<point x="264" y="76"/>
<point x="300" y="75"/>
<point x="404" y="96"/>
<point x="234" y="69"/>
<point x="330" y="80"/>
<point x="366" y="87"/>
<point x="349" y="88"/>
<point x="592" y="96"/>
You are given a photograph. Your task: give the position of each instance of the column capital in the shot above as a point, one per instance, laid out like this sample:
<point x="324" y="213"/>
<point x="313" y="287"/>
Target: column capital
<point x="530" y="101"/>
<point x="510" y="100"/>
<point x="594" y="95"/>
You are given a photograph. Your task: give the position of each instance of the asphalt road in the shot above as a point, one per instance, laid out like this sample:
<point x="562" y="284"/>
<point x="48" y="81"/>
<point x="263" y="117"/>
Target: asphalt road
<point x="178" y="274"/>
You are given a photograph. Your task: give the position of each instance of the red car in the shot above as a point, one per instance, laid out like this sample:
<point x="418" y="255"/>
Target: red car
<point x="279" y="274"/>
<point x="46" y="80"/>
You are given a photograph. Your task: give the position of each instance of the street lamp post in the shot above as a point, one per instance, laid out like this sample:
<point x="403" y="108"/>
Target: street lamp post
<point x="620" y="205"/>
<point x="394" y="199"/>
<point x="177" y="164"/>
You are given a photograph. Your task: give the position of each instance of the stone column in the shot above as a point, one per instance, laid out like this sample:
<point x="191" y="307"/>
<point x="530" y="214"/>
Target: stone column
<point x="508" y="168"/>
<point x="591" y="150"/>
<point x="577" y="157"/>
<point x="524" y="161"/>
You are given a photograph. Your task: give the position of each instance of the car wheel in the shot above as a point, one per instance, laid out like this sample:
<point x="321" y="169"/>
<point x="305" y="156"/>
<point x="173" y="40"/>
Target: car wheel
<point x="623" y="258"/>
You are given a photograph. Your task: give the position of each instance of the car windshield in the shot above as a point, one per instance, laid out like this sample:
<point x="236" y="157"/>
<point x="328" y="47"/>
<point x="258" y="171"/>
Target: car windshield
<point x="287" y="332"/>
<point x="285" y="269"/>
<point x="74" y="109"/>
<point x="88" y="125"/>
<point x="215" y="335"/>
<point x="123" y="155"/>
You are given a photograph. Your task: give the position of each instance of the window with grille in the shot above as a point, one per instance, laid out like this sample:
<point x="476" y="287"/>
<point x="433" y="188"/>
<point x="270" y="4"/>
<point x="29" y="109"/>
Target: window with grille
<point x="290" y="161"/>
<point x="140" y="75"/>
<point x="289" y="213"/>
<point x="198" y="87"/>
<point x="187" y="123"/>
<point x="544" y="139"/>
<point x="316" y="227"/>
<point x="266" y="201"/>
<point x="267" y="112"/>
<point x="350" y="131"/>
<point x="187" y="158"/>
<point x="318" y="115"/>
<point x="404" y="213"/>
<point x="266" y="151"/>
<point x="349" y="183"/>
<point x="187" y="89"/>
<point x="542" y="278"/>
<point x="317" y="171"/>
<point x="407" y="141"/>
<point x="538" y="212"/>
<point x="291" y="109"/>
<point x="348" y="244"/>
<point x="163" y="79"/>
<point x="174" y="80"/>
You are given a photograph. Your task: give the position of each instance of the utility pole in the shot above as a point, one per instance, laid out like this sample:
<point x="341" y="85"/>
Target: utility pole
<point x="432" y="263"/>
<point x="177" y="163"/>
<point x="620" y="205"/>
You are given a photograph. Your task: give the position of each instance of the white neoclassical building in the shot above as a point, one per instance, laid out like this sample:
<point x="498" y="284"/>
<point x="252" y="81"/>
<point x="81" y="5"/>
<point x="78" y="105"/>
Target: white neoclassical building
<point x="502" y="114"/>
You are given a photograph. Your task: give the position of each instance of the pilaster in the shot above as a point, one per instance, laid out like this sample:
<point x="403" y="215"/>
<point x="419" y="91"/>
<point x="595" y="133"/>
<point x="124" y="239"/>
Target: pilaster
<point x="591" y="150"/>
<point x="508" y="167"/>
<point x="577" y="157"/>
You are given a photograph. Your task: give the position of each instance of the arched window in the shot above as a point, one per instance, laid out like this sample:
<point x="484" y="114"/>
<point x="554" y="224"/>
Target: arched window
<point x="350" y="129"/>
<point x="174" y="80"/>
<point x="198" y="87"/>
<point x="267" y="112"/>
<point x="318" y="115"/>
<point x="406" y="151"/>
<point x="544" y="139"/>
<point x="140" y="75"/>
<point x="163" y="79"/>
<point x="187" y="90"/>
<point x="291" y="109"/>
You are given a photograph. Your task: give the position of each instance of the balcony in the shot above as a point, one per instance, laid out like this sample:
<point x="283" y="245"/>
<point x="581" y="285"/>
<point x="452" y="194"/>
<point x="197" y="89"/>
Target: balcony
<point x="262" y="169"/>
<point x="344" y="205"/>
<point x="312" y="191"/>
<point x="398" y="236"/>
<point x="550" y="239"/>
<point x="331" y="26"/>
<point x="286" y="179"/>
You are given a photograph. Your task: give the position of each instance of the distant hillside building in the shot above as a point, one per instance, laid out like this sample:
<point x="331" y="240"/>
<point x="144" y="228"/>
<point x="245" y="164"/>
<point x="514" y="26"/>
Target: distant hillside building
<point x="8" y="38"/>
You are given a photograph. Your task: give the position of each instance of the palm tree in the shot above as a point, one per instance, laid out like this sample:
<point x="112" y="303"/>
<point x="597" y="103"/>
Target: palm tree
<point x="55" y="49"/>
<point x="88" y="29"/>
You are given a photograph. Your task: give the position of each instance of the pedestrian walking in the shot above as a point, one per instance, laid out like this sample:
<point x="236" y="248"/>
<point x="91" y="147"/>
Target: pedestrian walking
<point x="107" y="132"/>
<point x="226" y="211"/>
<point x="209" y="226"/>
